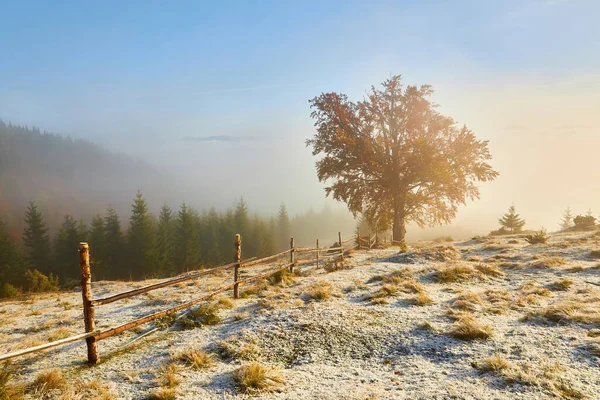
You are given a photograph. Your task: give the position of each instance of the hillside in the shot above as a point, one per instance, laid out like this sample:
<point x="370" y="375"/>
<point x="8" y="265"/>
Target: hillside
<point x="67" y="176"/>
<point x="487" y="318"/>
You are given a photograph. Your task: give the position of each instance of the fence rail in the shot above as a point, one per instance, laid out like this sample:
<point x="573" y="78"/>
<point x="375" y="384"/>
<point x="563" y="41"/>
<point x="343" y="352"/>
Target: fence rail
<point x="92" y="335"/>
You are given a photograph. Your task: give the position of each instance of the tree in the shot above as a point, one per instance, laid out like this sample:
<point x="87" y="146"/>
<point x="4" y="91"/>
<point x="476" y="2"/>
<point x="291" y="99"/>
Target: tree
<point x="512" y="221"/>
<point x="36" y="241"/>
<point x="284" y="231"/>
<point x="188" y="243"/>
<point x="583" y="223"/>
<point x="393" y="157"/>
<point x="98" y="248"/>
<point x="165" y="241"/>
<point x="12" y="266"/>
<point x="566" y="221"/>
<point x="141" y="239"/>
<point x="66" y="259"/>
<point x="114" y="244"/>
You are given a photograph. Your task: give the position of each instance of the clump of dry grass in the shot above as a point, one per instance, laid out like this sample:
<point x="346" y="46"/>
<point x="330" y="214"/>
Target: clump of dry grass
<point x="204" y="314"/>
<point x="94" y="389"/>
<point x="456" y="273"/>
<point x="162" y="394"/>
<point x="49" y="380"/>
<point x="357" y="284"/>
<point x="467" y="328"/>
<point x="422" y="299"/>
<point x="531" y="288"/>
<point x="338" y="265"/>
<point x="257" y="378"/>
<point x="546" y="262"/>
<point x="254" y="289"/>
<point x="467" y="302"/>
<point x="489" y="270"/>
<point x="577" y="268"/>
<point x="167" y="375"/>
<point x="494" y="363"/>
<point x="283" y="277"/>
<point x="561" y="284"/>
<point x="241" y="315"/>
<point x="319" y="291"/>
<point x="426" y="326"/>
<point x="541" y="374"/>
<point x="595" y="254"/>
<point x="195" y="358"/>
<point x="8" y="389"/>
<point x="225" y="302"/>
<point x="438" y="253"/>
<point x="565" y="312"/>
<point x="239" y="348"/>
<point x="59" y="333"/>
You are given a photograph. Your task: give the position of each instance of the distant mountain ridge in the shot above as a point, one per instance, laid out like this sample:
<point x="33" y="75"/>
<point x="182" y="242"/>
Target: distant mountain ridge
<point x="64" y="175"/>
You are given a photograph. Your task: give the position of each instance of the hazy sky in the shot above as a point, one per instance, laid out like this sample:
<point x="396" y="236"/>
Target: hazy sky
<point x="216" y="89"/>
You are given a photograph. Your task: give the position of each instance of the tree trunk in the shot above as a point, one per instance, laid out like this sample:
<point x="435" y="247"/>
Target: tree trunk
<point x="399" y="229"/>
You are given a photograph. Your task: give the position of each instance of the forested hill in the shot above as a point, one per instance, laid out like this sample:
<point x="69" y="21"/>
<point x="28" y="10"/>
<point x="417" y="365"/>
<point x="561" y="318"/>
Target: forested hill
<point x="63" y="175"/>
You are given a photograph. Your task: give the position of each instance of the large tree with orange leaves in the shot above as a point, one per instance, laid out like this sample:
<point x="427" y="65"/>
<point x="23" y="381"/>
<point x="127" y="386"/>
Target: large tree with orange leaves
<point x="393" y="157"/>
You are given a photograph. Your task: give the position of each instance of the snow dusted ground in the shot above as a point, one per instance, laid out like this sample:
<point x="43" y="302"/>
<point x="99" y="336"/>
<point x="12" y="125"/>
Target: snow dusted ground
<point x="347" y="347"/>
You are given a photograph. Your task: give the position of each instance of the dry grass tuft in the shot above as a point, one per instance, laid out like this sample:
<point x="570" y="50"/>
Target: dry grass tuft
<point x="566" y="312"/>
<point x="162" y="394"/>
<point x="283" y="277"/>
<point x="595" y="254"/>
<point x="338" y="265"/>
<point x="319" y="291"/>
<point x="225" y="302"/>
<point x="546" y="262"/>
<point x="467" y="328"/>
<point x="438" y="253"/>
<point x="489" y="270"/>
<point x="195" y="358"/>
<point x="426" y="326"/>
<point x="204" y="314"/>
<point x="422" y="299"/>
<point x="9" y="390"/>
<point x="494" y="363"/>
<point x="577" y="268"/>
<point x="561" y="284"/>
<point x="254" y="289"/>
<point x="167" y="375"/>
<point x="239" y="348"/>
<point x="257" y="378"/>
<point x="48" y="380"/>
<point x="456" y="273"/>
<point x="241" y="315"/>
<point x="59" y="333"/>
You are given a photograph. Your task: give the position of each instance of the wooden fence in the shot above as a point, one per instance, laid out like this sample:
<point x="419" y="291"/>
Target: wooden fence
<point x="92" y="335"/>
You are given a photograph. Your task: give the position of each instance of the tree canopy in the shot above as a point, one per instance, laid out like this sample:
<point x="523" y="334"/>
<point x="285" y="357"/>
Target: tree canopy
<point x="394" y="158"/>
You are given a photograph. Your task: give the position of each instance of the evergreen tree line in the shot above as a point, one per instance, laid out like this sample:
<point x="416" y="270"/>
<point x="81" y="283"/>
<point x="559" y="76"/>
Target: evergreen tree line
<point x="151" y="246"/>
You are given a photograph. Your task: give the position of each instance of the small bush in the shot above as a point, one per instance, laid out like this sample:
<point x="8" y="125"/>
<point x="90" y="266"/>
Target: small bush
<point x="584" y="223"/>
<point x="467" y="328"/>
<point x="257" y="378"/>
<point x="38" y="282"/>
<point x="537" y="238"/>
<point x="7" y="290"/>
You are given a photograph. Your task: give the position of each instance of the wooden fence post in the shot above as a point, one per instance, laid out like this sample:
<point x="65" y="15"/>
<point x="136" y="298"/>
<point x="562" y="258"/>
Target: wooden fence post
<point x="342" y="247"/>
<point x="292" y="254"/>
<point x="89" y="313"/>
<point x="317" y="253"/>
<point x="237" y="257"/>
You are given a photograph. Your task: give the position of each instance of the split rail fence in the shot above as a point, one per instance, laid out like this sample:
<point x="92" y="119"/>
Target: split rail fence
<point x="93" y="335"/>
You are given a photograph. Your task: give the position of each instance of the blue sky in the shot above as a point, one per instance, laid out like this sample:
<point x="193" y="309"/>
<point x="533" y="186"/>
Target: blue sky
<point x="141" y="76"/>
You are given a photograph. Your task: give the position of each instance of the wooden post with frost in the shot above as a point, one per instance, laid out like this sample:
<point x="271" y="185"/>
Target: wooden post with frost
<point x="317" y="253"/>
<point x="237" y="257"/>
<point x="89" y="313"/>
<point x="292" y="254"/>
<point x="342" y="247"/>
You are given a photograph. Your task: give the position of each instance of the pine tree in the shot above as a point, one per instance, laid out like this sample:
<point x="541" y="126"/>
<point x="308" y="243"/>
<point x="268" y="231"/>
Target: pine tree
<point x="188" y="244"/>
<point x="114" y="245"/>
<point x="82" y="231"/>
<point x="512" y="220"/>
<point x="141" y="239"/>
<point x="12" y="266"/>
<point x="165" y="242"/>
<point x="284" y="231"/>
<point x="66" y="259"/>
<point x="98" y="255"/>
<point x="566" y="221"/>
<point x="241" y="219"/>
<point x="36" y="241"/>
<point x="212" y="238"/>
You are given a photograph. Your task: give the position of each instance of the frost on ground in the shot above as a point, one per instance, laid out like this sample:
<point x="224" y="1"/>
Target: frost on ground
<point x="491" y="318"/>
